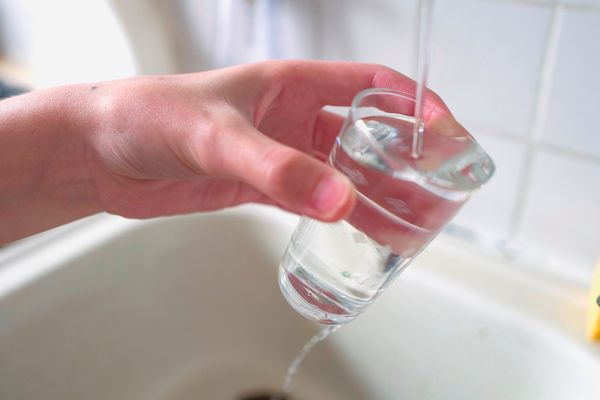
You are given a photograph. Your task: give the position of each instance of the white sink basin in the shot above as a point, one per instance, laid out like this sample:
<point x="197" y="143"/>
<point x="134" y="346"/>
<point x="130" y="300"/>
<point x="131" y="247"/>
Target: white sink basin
<point x="189" y="308"/>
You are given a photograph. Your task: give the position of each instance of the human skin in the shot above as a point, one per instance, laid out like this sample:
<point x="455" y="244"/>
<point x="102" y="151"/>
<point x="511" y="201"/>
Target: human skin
<point x="163" y="145"/>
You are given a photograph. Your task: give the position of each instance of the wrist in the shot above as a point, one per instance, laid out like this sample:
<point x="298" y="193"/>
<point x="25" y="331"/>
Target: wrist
<point x="72" y="162"/>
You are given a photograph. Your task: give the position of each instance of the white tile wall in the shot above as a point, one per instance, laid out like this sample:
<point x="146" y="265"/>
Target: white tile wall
<point x="378" y="31"/>
<point x="489" y="211"/>
<point x="486" y="59"/>
<point x="182" y="18"/>
<point x="562" y="212"/>
<point x="575" y="92"/>
<point x="487" y="63"/>
<point x="587" y="4"/>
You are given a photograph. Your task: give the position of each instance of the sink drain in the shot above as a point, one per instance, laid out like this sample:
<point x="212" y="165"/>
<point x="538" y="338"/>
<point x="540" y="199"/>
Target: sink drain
<point x="265" y="396"/>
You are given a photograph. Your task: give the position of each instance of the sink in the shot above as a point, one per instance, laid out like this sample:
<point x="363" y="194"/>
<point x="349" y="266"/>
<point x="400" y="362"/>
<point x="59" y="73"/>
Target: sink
<point x="189" y="308"/>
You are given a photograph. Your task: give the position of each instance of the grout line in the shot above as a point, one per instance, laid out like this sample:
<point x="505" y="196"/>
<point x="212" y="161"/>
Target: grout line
<point x="583" y="7"/>
<point x="541" y="3"/>
<point x="222" y="34"/>
<point x="549" y="4"/>
<point x="509" y="137"/>
<point x="570" y="153"/>
<point x="580" y="6"/>
<point x="479" y="129"/>
<point x="538" y="119"/>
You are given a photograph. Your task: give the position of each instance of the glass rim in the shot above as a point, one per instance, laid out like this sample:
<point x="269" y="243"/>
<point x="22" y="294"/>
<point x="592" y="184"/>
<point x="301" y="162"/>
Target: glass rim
<point x="355" y="116"/>
<point x="360" y="96"/>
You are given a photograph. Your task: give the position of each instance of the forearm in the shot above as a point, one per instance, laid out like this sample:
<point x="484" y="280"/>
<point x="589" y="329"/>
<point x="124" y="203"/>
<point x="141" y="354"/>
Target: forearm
<point x="44" y="161"/>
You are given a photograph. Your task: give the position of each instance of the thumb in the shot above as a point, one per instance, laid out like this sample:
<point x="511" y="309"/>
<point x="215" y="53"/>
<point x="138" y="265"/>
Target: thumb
<point x="297" y="181"/>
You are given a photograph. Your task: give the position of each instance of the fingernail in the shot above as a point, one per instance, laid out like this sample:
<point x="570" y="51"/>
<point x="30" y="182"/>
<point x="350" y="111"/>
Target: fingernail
<point x="330" y="195"/>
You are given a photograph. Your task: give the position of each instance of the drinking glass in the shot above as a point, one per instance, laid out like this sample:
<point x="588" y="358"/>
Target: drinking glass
<point x="331" y="272"/>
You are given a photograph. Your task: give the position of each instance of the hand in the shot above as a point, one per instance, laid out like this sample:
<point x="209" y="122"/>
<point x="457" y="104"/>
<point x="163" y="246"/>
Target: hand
<point x="254" y="133"/>
<point x="163" y="145"/>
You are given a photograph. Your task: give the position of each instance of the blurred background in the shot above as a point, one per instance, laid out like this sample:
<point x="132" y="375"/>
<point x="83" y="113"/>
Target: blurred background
<point x="521" y="75"/>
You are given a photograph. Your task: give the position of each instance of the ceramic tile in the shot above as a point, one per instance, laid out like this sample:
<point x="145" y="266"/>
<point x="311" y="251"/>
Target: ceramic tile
<point x="490" y="209"/>
<point x="575" y="92"/>
<point x="379" y="31"/>
<point x="486" y="60"/>
<point x="584" y="4"/>
<point x="562" y="213"/>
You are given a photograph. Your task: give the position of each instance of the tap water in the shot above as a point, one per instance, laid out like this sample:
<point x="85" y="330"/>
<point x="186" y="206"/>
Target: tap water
<point x="295" y="365"/>
<point x="424" y="22"/>
<point x="293" y="369"/>
<point x="332" y="271"/>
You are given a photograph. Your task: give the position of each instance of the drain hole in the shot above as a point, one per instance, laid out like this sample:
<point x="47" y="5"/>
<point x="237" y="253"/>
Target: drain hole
<point x="265" y="396"/>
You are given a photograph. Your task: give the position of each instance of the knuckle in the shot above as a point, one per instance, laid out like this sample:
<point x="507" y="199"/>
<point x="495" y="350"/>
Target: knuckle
<point x="281" y="72"/>
<point x="389" y="78"/>
<point x="277" y="73"/>
<point x="437" y="101"/>
<point x="208" y="143"/>
<point x="383" y="69"/>
<point x="383" y="75"/>
<point x="280" y="164"/>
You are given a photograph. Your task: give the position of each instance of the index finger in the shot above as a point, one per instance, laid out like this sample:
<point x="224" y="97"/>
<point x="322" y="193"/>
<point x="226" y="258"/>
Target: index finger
<point x="337" y="82"/>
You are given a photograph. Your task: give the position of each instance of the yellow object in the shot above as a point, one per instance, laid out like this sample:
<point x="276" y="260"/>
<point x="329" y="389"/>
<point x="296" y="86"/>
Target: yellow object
<point x="593" y="325"/>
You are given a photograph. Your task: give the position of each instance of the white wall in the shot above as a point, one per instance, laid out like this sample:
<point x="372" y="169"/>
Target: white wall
<point x="64" y="41"/>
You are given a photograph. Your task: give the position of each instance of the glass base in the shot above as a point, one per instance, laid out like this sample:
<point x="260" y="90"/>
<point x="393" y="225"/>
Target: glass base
<point x="306" y="309"/>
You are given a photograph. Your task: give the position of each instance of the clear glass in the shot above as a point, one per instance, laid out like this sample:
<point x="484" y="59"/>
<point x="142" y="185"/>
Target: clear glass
<point x="331" y="271"/>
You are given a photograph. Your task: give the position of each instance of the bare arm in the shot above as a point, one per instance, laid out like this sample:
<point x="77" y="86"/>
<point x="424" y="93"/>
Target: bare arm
<point x="44" y="173"/>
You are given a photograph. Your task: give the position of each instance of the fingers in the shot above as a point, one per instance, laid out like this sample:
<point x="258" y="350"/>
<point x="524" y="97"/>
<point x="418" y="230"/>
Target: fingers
<point x="446" y="125"/>
<point x="336" y="83"/>
<point x="291" y="178"/>
<point x="327" y="127"/>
